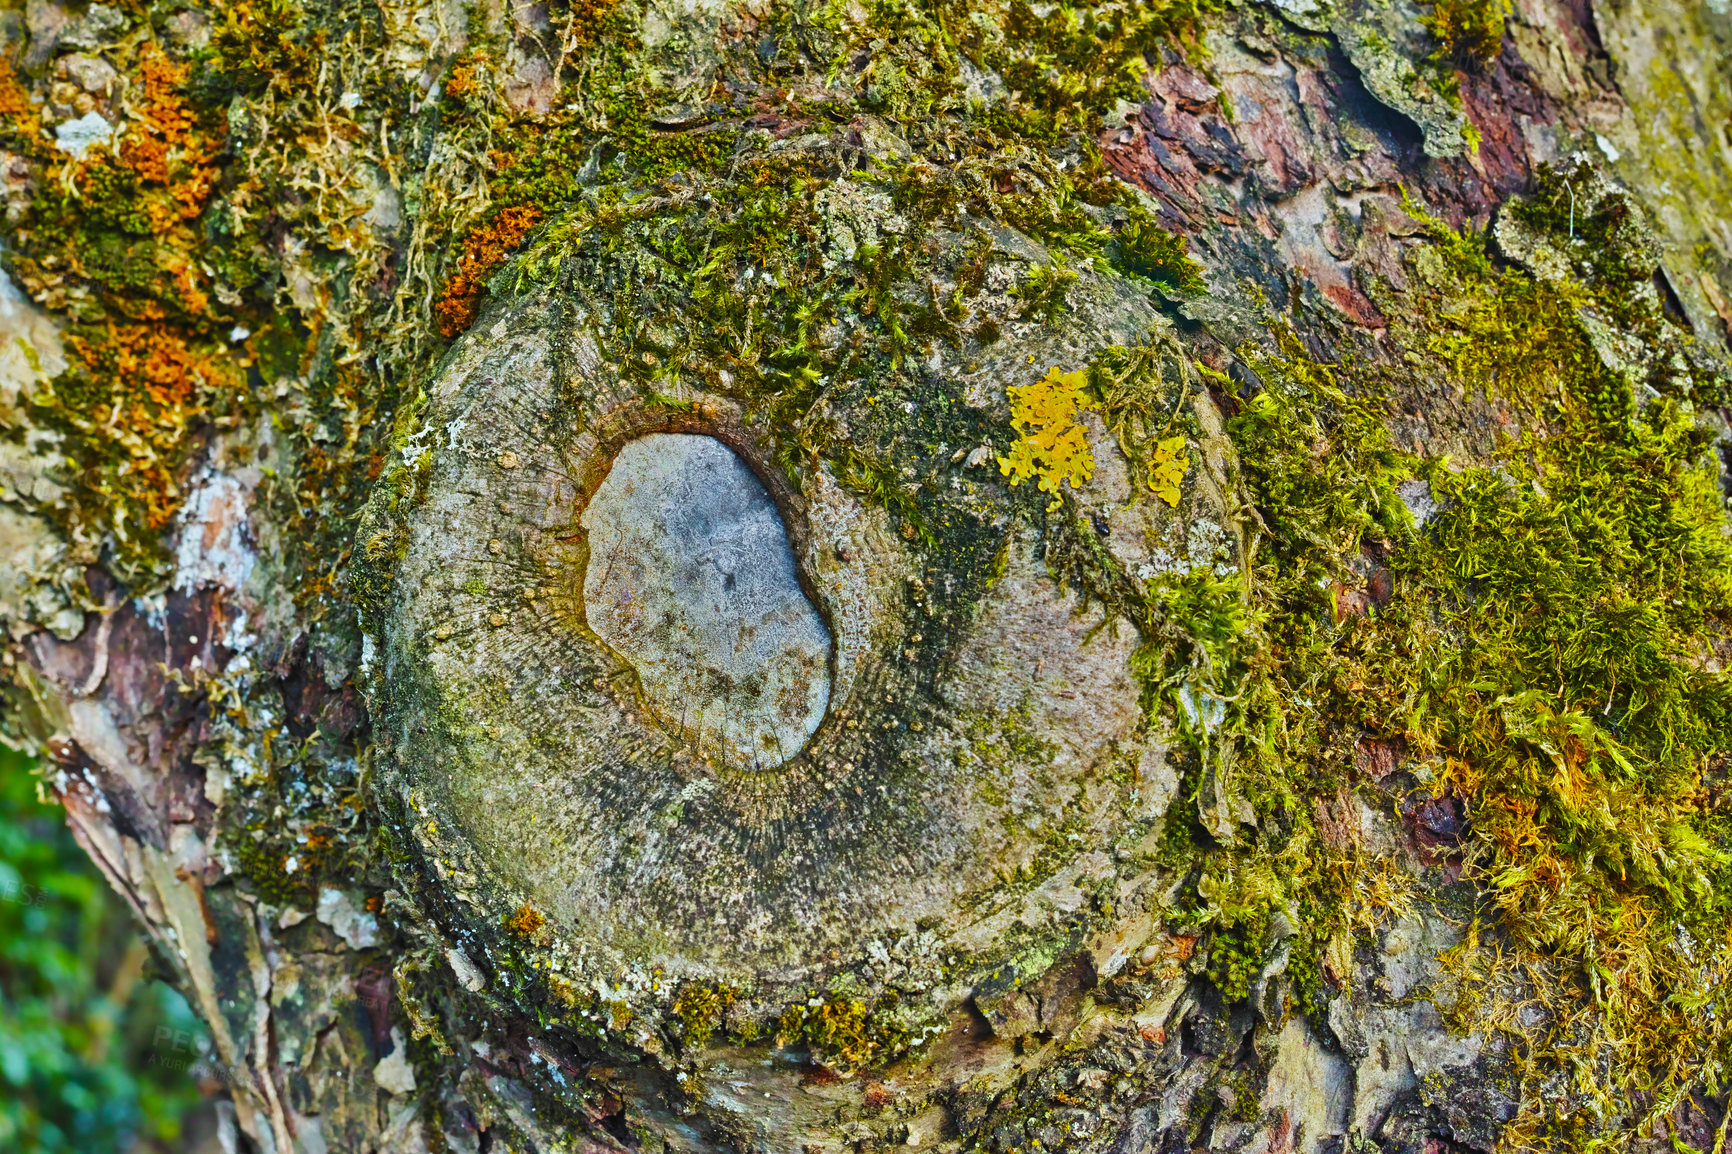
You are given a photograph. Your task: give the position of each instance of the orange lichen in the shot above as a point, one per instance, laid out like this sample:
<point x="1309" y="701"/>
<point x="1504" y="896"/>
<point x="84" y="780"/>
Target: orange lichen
<point x="463" y="81"/>
<point x="164" y="146"/>
<point x="483" y="253"/>
<point x="15" y="106"/>
<point x="140" y="384"/>
<point x="186" y="278"/>
<point x="526" y="922"/>
<point x="140" y="388"/>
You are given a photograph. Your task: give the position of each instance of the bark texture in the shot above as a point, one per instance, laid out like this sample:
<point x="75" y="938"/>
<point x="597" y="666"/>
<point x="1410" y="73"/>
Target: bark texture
<point x="974" y="576"/>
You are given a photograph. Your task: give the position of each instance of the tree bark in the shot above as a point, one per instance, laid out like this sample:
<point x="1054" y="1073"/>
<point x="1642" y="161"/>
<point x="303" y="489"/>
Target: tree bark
<point x="693" y="577"/>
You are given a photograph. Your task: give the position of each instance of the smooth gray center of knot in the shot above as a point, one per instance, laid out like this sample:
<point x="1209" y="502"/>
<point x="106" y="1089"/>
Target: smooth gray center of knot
<point x="691" y="578"/>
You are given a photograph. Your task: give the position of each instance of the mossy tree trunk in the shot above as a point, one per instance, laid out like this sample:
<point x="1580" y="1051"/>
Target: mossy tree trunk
<point x="1139" y="576"/>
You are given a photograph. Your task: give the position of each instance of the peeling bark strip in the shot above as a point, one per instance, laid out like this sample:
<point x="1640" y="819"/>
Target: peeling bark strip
<point x="1139" y="577"/>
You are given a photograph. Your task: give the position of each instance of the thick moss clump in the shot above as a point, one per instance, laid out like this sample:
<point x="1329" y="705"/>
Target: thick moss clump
<point x="1535" y="640"/>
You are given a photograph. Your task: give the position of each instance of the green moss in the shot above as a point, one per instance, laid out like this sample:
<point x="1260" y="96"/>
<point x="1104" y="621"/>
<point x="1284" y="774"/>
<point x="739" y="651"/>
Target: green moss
<point x="1597" y="228"/>
<point x="1083" y="57"/>
<point x="1310" y="990"/>
<point x="1144" y="248"/>
<point x="1469" y="33"/>
<point x="1320" y="463"/>
<point x="1534" y="642"/>
<point x="998" y="739"/>
<point x="283" y="872"/>
<point x="698" y="1010"/>
<point x="1044" y="292"/>
<point x="1235" y="956"/>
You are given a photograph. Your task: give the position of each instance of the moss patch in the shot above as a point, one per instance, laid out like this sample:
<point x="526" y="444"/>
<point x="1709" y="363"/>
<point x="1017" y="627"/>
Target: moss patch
<point x="1538" y="650"/>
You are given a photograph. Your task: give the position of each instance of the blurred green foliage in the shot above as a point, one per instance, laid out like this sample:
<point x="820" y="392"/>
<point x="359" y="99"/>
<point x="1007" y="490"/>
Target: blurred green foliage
<point x="93" y="1056"/>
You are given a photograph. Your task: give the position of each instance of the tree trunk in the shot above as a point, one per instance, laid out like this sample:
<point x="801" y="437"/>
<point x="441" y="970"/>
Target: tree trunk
<point x="1136" y="577"/>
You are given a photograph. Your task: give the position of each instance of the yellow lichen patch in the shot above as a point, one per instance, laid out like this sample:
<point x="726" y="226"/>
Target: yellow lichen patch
<point x="569" y="995"/>
<point x="1168" y="468"/>
<point x="844" y="1034"/>
<point x="483" y="253"/>
<point x="1053" y="448"/>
